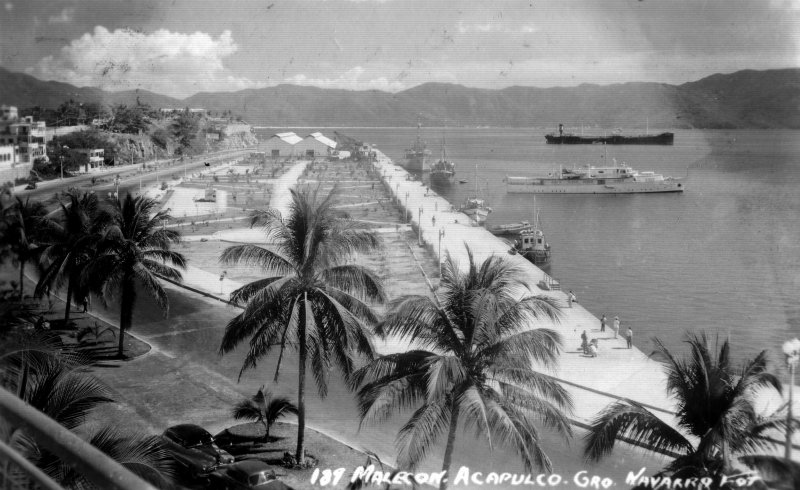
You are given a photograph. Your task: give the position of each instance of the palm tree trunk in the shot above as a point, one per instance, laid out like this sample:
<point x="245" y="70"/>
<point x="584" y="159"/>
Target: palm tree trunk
<point x="301" y="383"/>
<point x="21" y="278"/>
<point x="22" y="383"/>
<point x="451" y="438"/>
<point x="126" y="312"/>
<point x="266" y="430"/>
<point x="726" y="463"/>
<point x="69" y="303"/>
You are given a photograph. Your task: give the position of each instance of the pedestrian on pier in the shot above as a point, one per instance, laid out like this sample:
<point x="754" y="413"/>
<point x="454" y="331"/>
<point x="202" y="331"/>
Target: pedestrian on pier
<point x="616" y="326"/>
<point x="629" y="338"/>
<point x="571" y="298"/>
<point x="584" y="342"/>
<point x="603" y="323"/>
<point x="433" y="220"/>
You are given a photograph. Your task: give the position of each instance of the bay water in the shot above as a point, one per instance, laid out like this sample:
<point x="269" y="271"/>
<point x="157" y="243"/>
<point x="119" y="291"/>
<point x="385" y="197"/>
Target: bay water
<point x="723" y="257"/>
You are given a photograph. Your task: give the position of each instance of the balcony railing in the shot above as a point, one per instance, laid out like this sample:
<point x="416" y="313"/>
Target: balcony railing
<point x="18" y="473"/>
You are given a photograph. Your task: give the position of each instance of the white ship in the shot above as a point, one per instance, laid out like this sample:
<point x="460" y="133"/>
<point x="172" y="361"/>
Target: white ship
<point x="614" y="179"/>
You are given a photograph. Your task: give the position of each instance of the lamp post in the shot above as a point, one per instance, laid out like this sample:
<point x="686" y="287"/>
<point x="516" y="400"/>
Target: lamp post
<point x="419" y="227"/>
<point x="61" y="160"/>
<point x="441" y="234"/>
<point x="222" y="278"/>
<point x="116" y="186"/>
<point x="406" y="218"/>
<point x="791" y="348"/>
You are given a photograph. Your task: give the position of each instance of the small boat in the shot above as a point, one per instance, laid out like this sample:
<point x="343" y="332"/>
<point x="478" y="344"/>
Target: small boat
<point x="530" y="242"/>
<point x="611" y="179"/>
<point x="475" y="207"/>
<point x="463" y="181"/>
<point x="510" y="228"/>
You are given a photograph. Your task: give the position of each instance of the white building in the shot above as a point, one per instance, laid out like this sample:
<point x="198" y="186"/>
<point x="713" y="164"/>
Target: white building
<point x="282" y="145"/>
<point x="315" y="145"/>
<point x="90" y="158"/>
<point x="29" y="136"/>
<point x="10" y="167"/>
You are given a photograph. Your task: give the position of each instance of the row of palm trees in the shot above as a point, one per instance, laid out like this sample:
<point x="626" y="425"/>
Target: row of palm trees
<point x="473" y="359"/>
<point x="472" y="365"/>
<point x="113" y="249"/>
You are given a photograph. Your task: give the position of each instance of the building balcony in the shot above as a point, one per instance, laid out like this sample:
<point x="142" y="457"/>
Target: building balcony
<point x="16" y="472"/>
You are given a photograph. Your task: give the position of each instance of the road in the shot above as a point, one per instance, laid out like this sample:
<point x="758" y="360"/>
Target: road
<point x="130" y="176"/>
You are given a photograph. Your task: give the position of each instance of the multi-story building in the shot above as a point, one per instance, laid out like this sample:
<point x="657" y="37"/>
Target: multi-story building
<point x="29" y="136"/>
<point x="90" y="158"/>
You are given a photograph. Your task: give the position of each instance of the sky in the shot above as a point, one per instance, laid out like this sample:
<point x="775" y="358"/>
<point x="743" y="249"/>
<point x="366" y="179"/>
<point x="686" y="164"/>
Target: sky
<point x="181" y="47"/>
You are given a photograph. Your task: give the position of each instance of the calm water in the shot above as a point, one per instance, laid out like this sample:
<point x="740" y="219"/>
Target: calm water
<point x="723" y="257"/>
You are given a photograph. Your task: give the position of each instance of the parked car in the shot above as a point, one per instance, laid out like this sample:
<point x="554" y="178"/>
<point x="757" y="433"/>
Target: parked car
<point x="195" y="450"/>
<point x="30" y="186"/>
<point x="246" y="475"/>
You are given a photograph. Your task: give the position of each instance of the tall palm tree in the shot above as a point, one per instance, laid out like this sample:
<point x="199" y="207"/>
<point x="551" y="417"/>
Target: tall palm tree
<point x="20" y="233"/>
<point x="715" y="412"/>
<point x="69" y="244"/>
<point x="133" y="251"/>
<point x="311" y="298"/>
<point x="263" y="408"/>
<point x="478" y="370"/>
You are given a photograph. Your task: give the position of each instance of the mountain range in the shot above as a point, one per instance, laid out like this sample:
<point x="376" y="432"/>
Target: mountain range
<point x="744" y="99"/>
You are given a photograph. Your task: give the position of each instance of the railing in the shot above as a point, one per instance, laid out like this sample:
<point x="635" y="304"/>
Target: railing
<point x="18" y="473"/>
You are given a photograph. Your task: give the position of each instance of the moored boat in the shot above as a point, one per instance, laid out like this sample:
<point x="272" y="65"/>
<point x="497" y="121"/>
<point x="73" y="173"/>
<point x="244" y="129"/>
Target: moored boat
<point x="417" y="155"/>
<point x="613" y="179"/>
<point x="443" y="171"/>
<point x="510" y="228"/>
<point x="475" y="207"/>
<point x="562" y="138"/>
<point x="530" y="242"/>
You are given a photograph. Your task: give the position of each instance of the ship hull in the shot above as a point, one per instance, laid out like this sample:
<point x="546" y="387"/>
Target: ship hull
<point x="477" y="215"/>
<point x="441" y="178"/>
<point x="570" y="187"/>
<point x="646" y="139"/>
<point x="537" y="257"/>
<point x="415" y="163"/>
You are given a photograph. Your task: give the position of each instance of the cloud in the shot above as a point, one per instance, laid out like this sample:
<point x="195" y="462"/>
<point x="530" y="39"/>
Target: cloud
<point x="349" y="80"/>
<point x="9" y="6"/>
<point x="165" y="62"/>
<point x="64" y="17"/>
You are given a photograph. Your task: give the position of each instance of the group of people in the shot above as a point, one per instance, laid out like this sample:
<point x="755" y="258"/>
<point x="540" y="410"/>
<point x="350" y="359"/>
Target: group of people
<point x="590" y="347"/>
<point x="616" y="326"/>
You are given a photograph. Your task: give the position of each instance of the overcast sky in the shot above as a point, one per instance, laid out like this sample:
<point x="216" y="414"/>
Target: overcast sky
<point x="181" y="47"/>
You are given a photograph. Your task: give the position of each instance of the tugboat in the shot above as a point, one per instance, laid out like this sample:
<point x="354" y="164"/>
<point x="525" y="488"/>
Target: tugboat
<point x="417" y="155"/>
<point x="530" y="242"/>
<point x="443" y="171"/>
<point x="475" y="207"/>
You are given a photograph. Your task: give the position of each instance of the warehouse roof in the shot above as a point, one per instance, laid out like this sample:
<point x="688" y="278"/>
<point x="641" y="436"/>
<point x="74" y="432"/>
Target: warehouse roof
<point x="290" y="138"/>
<point x="323" y="139"/>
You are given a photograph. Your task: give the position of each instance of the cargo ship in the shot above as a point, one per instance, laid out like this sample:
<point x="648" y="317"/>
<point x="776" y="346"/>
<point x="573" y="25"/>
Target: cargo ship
<point x="614" y="179"/>
<point x="562" y="138"/>
<point x="443" y="171"/>
<point x="417" y="155"/>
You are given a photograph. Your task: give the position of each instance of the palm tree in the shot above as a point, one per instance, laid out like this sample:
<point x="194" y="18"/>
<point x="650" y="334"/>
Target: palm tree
<point x="478" y="370"/>
<point x="69" y="246"/>
<point x="310" y="298"/>
<point x="68" y="396"/>
<point x="133" y="251"/>
<point x="20" y="233"/>
<point x="715" y="414"/>
<point x="263" y="408"/>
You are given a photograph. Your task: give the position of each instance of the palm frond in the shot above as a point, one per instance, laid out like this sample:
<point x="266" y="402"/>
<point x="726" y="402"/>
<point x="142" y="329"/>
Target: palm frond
<point x="417" y="436"/>
<point x="635" y="423"/>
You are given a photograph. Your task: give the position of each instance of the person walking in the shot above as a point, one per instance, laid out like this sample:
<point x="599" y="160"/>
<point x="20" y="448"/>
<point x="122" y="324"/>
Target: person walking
<point x="616" y="326"/>
<point x="585" y="342"/>
<point x="629" y="338"/>
<point x="603" y="323"/>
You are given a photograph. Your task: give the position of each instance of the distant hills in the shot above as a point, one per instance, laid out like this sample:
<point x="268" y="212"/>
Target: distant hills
<point x="745" y="99"/>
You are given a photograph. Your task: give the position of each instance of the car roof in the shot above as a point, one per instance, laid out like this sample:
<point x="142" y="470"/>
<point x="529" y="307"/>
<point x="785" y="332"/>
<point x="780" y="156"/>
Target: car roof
<point x="188" y="431"/>
<point x="251" y="466"/>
